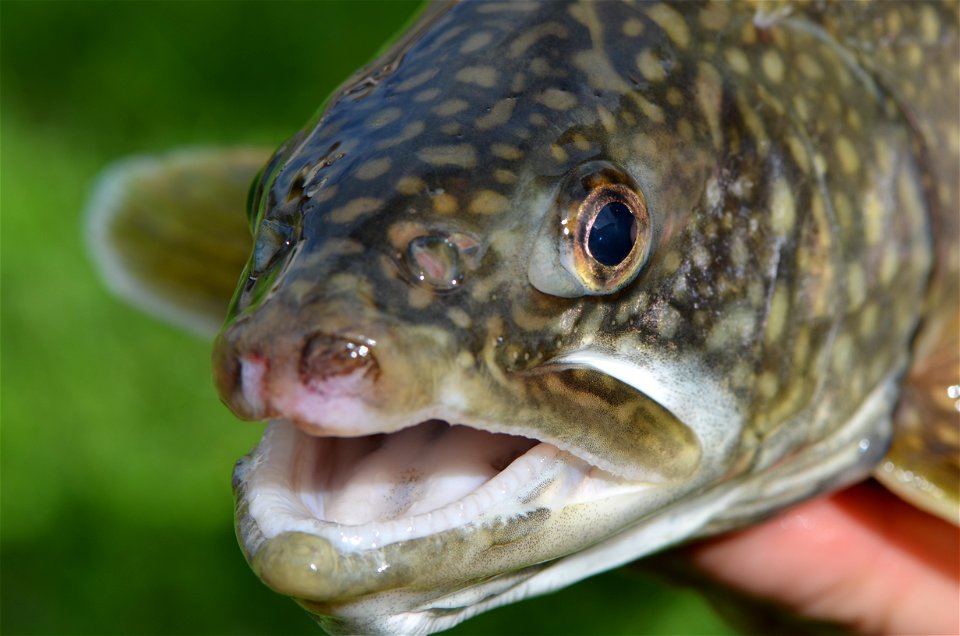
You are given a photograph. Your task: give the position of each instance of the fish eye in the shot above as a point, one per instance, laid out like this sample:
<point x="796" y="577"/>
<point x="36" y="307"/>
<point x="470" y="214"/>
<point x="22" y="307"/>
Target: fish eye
<point x="613" y="233"/>
<point x="603" y="238"/>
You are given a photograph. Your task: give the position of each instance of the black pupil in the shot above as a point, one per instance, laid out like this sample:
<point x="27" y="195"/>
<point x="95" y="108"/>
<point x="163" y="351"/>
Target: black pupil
<point x="613" y="234"/>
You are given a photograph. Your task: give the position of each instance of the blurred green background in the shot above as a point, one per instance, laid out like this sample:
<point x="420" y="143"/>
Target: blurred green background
<point x="116" y="454"/>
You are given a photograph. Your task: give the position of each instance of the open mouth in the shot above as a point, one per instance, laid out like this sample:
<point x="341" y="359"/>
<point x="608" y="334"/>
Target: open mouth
<point x="365" y="492"/>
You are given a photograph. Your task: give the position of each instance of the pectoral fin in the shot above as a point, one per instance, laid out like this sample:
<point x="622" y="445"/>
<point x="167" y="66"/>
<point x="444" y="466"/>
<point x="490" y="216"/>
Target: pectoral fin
<point x="169" y="233"/>
<point x="923" y="464"/>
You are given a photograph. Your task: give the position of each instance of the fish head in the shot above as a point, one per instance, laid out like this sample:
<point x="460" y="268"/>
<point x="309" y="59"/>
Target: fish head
<point x="503" y="310"/>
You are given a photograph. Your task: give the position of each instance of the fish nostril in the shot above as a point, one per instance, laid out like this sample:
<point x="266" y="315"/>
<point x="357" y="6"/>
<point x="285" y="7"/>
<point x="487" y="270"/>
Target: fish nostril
<point x="325" y="357"/>
<point x="434" y="261"/>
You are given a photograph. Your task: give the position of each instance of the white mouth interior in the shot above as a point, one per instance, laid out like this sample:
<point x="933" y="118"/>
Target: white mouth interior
<point x="417" y="470"/>
<point x="365" y="492"/>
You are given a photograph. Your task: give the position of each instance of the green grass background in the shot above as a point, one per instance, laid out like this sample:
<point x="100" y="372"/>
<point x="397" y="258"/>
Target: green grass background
<point x="116" y="454"/>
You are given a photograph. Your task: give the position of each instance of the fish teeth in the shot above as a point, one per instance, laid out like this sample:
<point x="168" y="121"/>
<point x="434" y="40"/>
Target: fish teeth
<point x="287" y="484"/>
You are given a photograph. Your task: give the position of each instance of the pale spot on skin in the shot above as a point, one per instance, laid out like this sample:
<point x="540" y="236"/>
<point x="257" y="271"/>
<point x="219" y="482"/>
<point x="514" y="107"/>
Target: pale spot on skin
<point x="819" y="164"/>
<point x="325" y="194"/>
<point x="465" y="359"/>
<point x="768" y="385"/>
<point x="483" y="76"/>
<point x="445" y="203"/>
<point x="873" y="218"/>
<point x="709" y="95"/>
<point x="581" y="143"/>
<point x="732" y="330"/>
<point x="506" y="151"/>
<point x="772" y="66"/>
<point x="777" y="315"/>
<point x="476" y="42"/>
<point x="782" y="208"/>
<point x="452" y="129"/>
<point x="914" y="55"/>
<point x="651" y="110"/>
<point x="558" y="153"/>
<point x="715" y="16"/>
<point x="450" y="107"/>
<point x="738" y="61"/>
<point x="701" y="257"/>
<point x="417" y="80"/>
<point x="355" y="209"/>
<point x="489" y="202"/>
<point x="384" y="117"/>
<point x="842" y="358"/>
<point x="528" y="321"/>
<point x="739" y="253"/>
<point x="929" y="25"/>
<point x="632" y="28"/>
<point x="410" y="185"/>
<point x="674" y="97"/>
<point x="754" y="124"/>
<point x="332" y="247"/>
<point x="799" y="153"/>
<point x="401" y="233"/>
<point x="868" y="321"/>
<point x="650" y="66"/>
<point x="607" y="119"/>
<point x="460" y="155"/>
<point x="519" y="46"/>
<point x="459" y="317"/>
<point x="669" y="320"/>
<point x="800" y="105"/>
<point x="557" y="99"/>
<point x="801" y="347"/>
<point x="672" y="23"/>
<point x="373" y="169"/>
<point x="412" y="130"/>
<point x="498" y="115"/>
<point x="847" y="154"/>
<point x="808" y="66"/>
<point x="504" y="176"/>
<point x="844" y="212"/>
<point x="426" y="95"/>
<point x="853" y="118"/>
<point x="419" y="297"/>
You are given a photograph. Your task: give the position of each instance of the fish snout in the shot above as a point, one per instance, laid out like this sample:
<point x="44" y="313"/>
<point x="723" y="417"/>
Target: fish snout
<point x="319" y="375"/>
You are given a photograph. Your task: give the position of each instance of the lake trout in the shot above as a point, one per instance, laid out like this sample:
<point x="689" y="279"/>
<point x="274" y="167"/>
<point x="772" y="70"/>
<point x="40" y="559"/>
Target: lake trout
<point x="550" y="286"/>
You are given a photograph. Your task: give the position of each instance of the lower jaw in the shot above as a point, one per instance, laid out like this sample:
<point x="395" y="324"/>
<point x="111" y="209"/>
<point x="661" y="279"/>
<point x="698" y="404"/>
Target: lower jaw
<point x="545" y="504"/>
<point x="332" y="487"/>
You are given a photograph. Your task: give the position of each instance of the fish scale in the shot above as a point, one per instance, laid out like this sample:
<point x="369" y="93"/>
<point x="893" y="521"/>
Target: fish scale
<point x="788" y="172"/>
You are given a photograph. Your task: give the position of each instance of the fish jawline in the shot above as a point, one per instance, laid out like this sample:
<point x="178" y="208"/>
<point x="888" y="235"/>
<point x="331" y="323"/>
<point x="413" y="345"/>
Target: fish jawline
<point x="304" y="483"/>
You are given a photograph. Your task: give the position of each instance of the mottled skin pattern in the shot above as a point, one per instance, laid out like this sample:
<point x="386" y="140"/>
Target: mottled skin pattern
<point x="796" y="160"/>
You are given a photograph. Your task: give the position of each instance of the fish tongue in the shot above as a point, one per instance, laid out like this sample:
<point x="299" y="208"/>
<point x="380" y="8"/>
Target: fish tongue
<point x="413" y="471"/>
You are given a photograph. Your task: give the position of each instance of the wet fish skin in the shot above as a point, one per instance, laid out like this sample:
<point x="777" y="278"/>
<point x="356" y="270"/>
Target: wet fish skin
<point x="798" y="163"/>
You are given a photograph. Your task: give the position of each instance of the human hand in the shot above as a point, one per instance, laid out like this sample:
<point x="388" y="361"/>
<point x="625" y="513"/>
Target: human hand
<point x="861" y="558"/>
